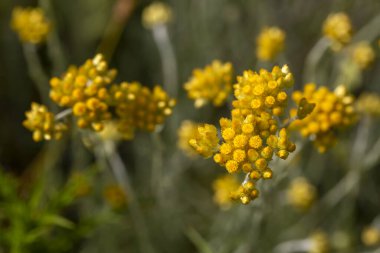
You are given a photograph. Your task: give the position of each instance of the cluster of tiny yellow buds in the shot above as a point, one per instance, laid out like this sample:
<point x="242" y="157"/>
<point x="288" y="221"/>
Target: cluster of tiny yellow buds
<point x="337" y="27"/>
<point x="156" y="14"/>
<point x="42" y="123"/>
<point x="205" y="141"/>
<point x="369" y="103"/>
<point x="370" y="236"/>
<point x="270" y="43"/>
<point x="115" y="196"/>
<point x="211" y="84"/>
<point x="333" y="112"/>
<point x="30" y="24"/>
<point x="187" y="131"/>
<point x="246" y="192"/>
<point x="363" y="54"/>
<point x="301" y="194"/>
<point x="138" y="107"/>
<point x="319" y="243"/>
<point x="262" y="92"/>
<point x="84" y="89"/>
<point x="225" y="190"/>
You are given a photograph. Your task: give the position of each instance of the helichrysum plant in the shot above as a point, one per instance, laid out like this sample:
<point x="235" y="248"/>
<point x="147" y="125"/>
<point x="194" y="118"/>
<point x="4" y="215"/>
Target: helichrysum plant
<point x="368" y="104"/>
<point x="270" y="43"/>
<point x="213" y="84"/>
<point x="88" y="94"/>
<point x="225" y="190"/>
<point x="254" y="133"/>
<point x="30" y="24"/>
<point x="334" y="111"/>
<point x="338" y="29"/>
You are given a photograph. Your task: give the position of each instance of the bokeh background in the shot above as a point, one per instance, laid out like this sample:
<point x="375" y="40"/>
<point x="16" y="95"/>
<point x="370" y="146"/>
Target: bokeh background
<point x="175" y="192"/>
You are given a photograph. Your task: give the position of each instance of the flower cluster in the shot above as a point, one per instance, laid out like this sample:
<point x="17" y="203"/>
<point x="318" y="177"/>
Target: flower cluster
<point x="140" y="108"/>
<point x="338" y="29"/>
<point x="205" y="142"/>
<point x="84" y="90"/>
<point x="333" y="111"/>
<point x="187" y="131"/>
<point x="363" y="54"/>
<point x="371" y="236"/>
<point x="319" y="242"/>
<point x="88" y="93"/>
<point x="301" y="194"/>
<point x="42" y="123"/>
<point x="253" y="135"/>
<point x="211" y="84"/>
<point x="225" y="190"/>
<point x="270" y="43"/>
<point x="30" y="24"/>
<point x="156" y="14"/>
<point x="369" y="103"/>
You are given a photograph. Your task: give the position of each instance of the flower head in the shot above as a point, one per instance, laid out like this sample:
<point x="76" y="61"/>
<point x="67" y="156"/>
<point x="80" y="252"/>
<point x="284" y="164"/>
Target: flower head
<point x="187" y="131"/>
<point x="301" y="194"/>
<point x="270" y="43"/>
<point x="363" y="54"/>
<point x="85" y="90"/>
<point x="41" y="122"/>
<point x="225" y="190"/>
<point x="138" y="107"/>
<point x="369" y="103"/>
<point x="334" y="111"/>
<point x="156" y="14"/>
<point x="115" y="196"/>
<point x="30" y="24"/>
<point x="211" y="84"/>
<point x="205" y="141"/>
<point x="319" y="242"/>
<point x="337" y="27"/>
<point x="371" y="236"/>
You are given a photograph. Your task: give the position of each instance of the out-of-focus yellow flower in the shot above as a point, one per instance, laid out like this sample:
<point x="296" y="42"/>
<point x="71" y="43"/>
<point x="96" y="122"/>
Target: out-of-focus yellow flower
<point x="371" y="236"/>
<point x="115" y="196"/>
<point x="79" y="184"/>
<point x="30" y="24"/>
<point x="110" y="132"/>
<point x="369" y="103"/>
<point x="84" y="89"/>
<point x="156" y="14"/>
<point x="337" y="27"/>
<point x="211" y="84"/>
<point x="319" y="243"/>
<point x="187" y="131"/>
<point x="363" y="54"/>
<point x="41" y="122"/>
<point x="225" y="190"/>
<point x="333" y="112"/>
<point x="139" y="107"/>
<point x="301" y="194"/>
<point x="270" y="43"/>
<point x="205" y="142"/>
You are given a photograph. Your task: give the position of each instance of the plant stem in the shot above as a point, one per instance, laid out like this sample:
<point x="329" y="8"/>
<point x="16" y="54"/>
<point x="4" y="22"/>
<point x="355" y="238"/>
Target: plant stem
<point x="121" y="174"/>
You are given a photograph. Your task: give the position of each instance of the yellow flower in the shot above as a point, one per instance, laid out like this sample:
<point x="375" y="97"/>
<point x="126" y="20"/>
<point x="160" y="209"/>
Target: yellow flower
<point x="369" y="103"/>
<point x="337" y="27"/>
<point x="333" y="112"/>
<point x="319" y="243"/>
<point x="270" y="43"/>
<point x="156" y="14"/>
<point x="301" y="194"/>
<point x="138" y="107"/>
<point x="30" y="24"/>
<point x="225" y="188"/>
<point x="211" y="84"/>
<point x="115" y="196"/>
<point x="41" y="122"/>
<point x="363" y="54"/>
<point x="187" y="131"/>
<point x="371" y="236"/>
<point x="84" y="89"/>
<point x="205" y="142"/>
